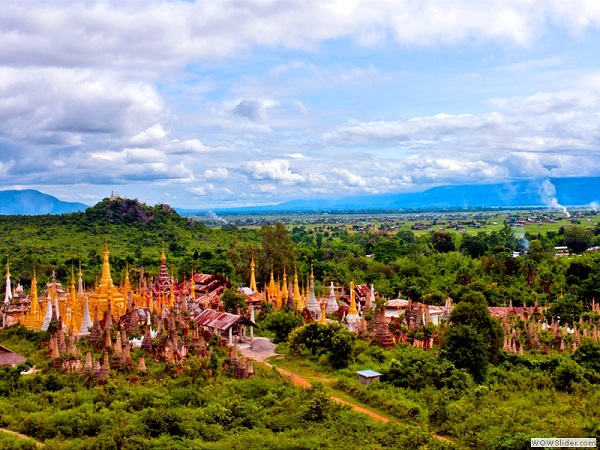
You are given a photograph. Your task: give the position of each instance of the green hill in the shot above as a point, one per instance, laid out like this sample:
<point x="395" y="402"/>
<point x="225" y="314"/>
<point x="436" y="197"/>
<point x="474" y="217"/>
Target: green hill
<point x="135" y="233"/>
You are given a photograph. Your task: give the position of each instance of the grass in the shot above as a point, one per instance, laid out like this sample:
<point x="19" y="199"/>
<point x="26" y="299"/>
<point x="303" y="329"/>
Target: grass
<point x="307" y="370"/>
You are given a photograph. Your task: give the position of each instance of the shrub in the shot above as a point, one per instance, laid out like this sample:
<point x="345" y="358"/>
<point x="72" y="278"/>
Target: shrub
<point x="567" y="375"/>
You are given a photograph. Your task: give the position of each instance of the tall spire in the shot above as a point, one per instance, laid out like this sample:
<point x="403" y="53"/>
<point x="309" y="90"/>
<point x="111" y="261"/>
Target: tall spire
<point x="323" y="319"/>
<point x="312" y="304"/>
<point x="80" y="282"/>
<point x="34" y="318"/>
<point x="352" y="318"/>
<point x="86" y="322"/>
<point x="331" y="305"/>
<point x="284" y="289"/>
<point x="272" y="289"/>
<point x="72" y="307"/>
<point x="127" y="285"/>
<point x="297" y="297"/>
<point x="8" y="294"/>
<point x="48" y="316"/>
<point x="352" y="309"/>
<point x="252" y="276"/>
<point x="193" y="287"/>
<point x="105" y="280"/>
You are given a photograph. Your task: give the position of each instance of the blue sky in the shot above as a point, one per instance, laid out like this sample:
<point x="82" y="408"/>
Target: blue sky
<point x="231" y="103"/>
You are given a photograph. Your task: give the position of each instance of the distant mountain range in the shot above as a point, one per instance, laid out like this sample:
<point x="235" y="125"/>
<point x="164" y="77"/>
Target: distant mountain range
<point x="553" y="192"/>
<point x="30" y="202"/>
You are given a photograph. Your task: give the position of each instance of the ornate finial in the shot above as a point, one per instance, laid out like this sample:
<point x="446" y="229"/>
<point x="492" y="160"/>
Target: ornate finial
<point x="163" y="257"/>
<point x="312" y="276"/>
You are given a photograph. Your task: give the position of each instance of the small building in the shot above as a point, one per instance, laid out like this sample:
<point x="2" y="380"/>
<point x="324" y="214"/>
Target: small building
<point x="368" y="376"/>
<point x="393" y="308"/>
<point x="9" y="358"/>
<point x="224" y="324"/>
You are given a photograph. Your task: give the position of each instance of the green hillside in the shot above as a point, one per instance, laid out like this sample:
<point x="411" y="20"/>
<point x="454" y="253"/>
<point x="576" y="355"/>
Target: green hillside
<point x="135" y="233"/>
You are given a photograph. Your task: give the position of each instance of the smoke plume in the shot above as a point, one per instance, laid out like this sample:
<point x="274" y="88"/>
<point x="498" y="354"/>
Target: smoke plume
<point x="547" y="192"/>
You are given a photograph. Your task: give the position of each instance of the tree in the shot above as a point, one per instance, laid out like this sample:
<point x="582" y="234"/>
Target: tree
<point x="578" y="239"/>
<point x="588" y="354"/>
<point x="332" y="339"/>
<point x="567" y="375"/>
<point x="474" y="338"/>
<point x="442" y="241"/>
<point x="277" y="251"/>
<point x="475" y="246"/>
<point x="281" y="323"/>
<point x="465" y="347"/>
<point x="233" y="300"/>
<point x="566" y="309"/>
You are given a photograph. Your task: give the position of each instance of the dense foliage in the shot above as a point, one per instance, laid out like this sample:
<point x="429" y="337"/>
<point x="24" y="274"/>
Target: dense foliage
<point x="521" y="397"/>
<point x="191" y="408"/>
<point x="471" y="391"/>
<point x="431" y="265"/>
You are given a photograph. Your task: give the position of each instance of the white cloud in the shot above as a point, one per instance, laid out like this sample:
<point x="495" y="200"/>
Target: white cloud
<point x="146" y="96"/>
<point x="219" y="173"/>
<point x="277" y="170"/>
<point x="349" y="178"/>
<point x="148" y="137"/>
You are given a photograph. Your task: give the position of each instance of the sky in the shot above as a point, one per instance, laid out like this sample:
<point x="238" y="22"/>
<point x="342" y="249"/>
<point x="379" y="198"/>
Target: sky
<point x="213" y="104"/>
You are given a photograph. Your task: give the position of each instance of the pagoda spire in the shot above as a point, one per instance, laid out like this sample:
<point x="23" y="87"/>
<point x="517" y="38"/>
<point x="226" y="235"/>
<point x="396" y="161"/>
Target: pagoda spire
<point x="33" y="320"/>
<point x="80" y="282"/>
<point x="8" y="294"/>
<point x="322" y="319"/>
<point x="48" y="315"/>
<point x="193" y="287"/>
<point x="86" y="322"/>
<point x="272" y="289"/>
<point x="312" y="304"/>
<point x="127" y="285"/>
<point x="331" y="305"/>
<point x="284" y="289"/>
<point x="352" y="318"/>
<point x="105" y="279"/>
<point x="297" y="297"/>
<point x="252" y="276"/>
<point x="72" y="308"/>
<point x="352" y="310"/>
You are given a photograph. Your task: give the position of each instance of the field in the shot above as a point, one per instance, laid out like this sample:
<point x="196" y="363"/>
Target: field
<point x="532" y="221"/>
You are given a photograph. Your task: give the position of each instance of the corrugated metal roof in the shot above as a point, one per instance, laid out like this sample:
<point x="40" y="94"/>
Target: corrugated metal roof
<point x="220" y="320"/>
<point x="368" y="373"/>
<point x="396" y="303"/>
<point x="9" y="358"/>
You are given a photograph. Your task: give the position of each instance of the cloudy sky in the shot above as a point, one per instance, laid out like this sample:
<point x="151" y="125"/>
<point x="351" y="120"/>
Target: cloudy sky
<point x="229" y="103"/>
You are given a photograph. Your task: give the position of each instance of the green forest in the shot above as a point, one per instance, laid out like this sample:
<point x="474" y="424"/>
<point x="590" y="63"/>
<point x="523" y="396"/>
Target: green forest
<point x="428" y="266"/>
<point x="466" y="392"/>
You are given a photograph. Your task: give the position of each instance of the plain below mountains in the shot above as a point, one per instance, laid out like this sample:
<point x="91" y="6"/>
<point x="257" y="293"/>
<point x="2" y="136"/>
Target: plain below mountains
<point x="30" y="202"/>
<point x="553" y="193"/>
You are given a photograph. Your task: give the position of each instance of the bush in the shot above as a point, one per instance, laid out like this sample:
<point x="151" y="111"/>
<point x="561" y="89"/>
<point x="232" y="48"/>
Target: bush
<point x="281" y="323"/>
<point x="567" y="375"/>
<point x="331" y="339"/>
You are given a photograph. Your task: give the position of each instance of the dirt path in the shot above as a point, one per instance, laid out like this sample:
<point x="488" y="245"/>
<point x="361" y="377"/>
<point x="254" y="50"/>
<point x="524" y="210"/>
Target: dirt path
<point x="22" y="436"/>
<point x="302" y="382"/>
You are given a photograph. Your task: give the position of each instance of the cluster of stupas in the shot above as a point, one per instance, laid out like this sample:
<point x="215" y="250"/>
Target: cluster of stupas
<point x="305" y="300"/>
<point x="175" y="339"/>
<point x="75" y="305"/>
<point x="529" y="334"/>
